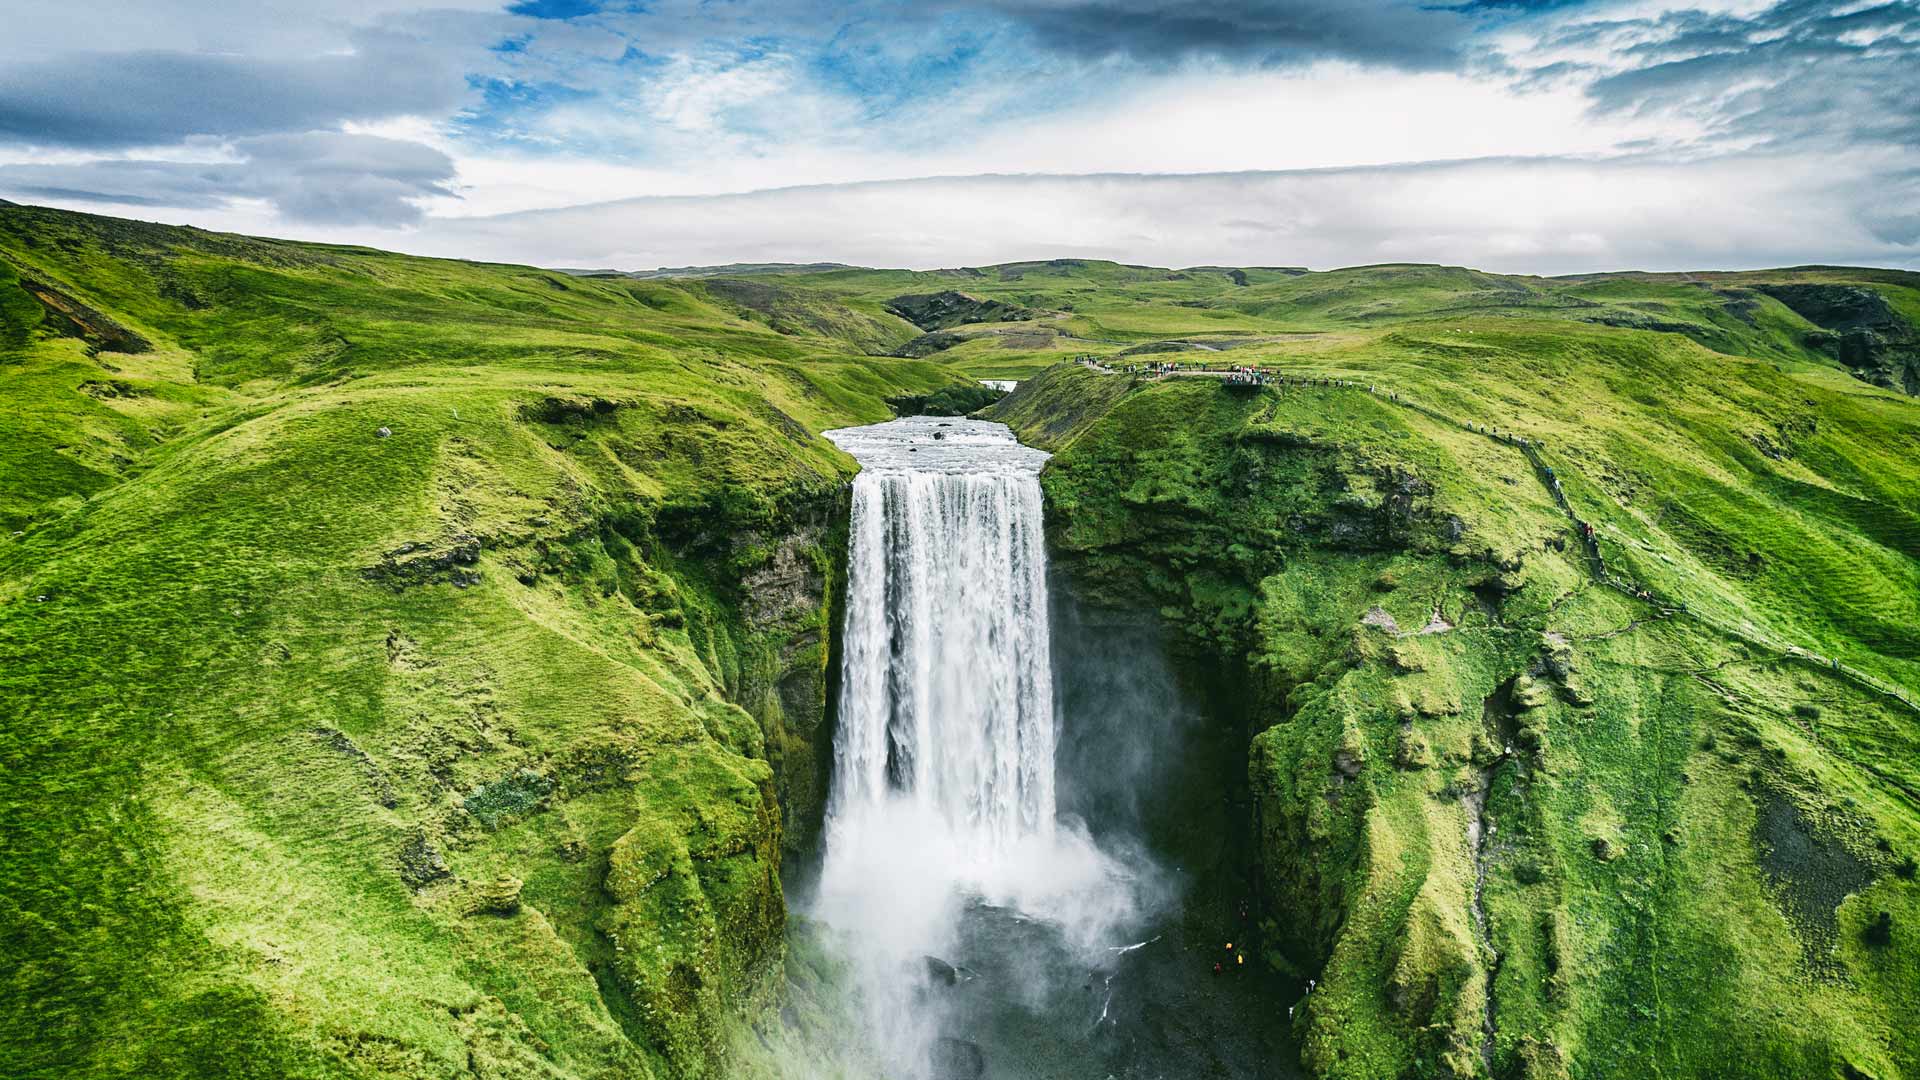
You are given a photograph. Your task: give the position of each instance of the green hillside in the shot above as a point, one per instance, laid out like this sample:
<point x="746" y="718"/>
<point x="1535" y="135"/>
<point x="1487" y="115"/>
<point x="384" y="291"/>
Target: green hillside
<point x="397" y="656"/>
<point x="1521" y="811"/>
<point x="1862" y="321"/>
<point x="417" y="668"/>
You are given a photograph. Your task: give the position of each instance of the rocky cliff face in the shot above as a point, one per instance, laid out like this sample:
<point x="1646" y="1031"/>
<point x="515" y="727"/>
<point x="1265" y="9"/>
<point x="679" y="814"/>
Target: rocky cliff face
<point x="1860" y="329"/>
<point x="791" y="613"/>
<point x="1511" y="818"/>
<point x="942" y="310"/>
<point x="697" y="919"/>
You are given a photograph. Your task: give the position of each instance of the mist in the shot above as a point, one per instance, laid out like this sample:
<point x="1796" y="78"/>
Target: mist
<point x="1009" y="768"/>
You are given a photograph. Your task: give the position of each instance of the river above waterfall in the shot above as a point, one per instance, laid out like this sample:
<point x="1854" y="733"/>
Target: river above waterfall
<point x="989" y="931"/>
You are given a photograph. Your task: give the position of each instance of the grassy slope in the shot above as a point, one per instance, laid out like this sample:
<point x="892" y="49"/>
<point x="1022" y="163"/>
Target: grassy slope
<point x="1685" y="834"/>
<point x="1105" y="308"/>
<point x="232" y="753"/>
<point x="272" y="779"/>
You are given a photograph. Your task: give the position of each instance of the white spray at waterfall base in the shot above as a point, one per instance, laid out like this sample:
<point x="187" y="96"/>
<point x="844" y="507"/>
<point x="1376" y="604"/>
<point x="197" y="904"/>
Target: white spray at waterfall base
<point x="943" y="796"/>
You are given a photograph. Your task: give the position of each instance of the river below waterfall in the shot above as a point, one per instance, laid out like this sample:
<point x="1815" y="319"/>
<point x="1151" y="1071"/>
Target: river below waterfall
<point x="1030" y="862"/>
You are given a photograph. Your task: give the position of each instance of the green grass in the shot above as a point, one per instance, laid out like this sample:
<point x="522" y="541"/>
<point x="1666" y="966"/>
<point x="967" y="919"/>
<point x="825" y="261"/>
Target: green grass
<point x="1268" y="525"/>
<point x="474" y="747"/>
<point x="227" y="724"/>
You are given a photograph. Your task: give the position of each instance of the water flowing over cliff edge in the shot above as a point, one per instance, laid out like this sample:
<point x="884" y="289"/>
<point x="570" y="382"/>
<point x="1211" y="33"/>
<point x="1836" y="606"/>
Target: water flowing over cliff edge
<point x="987" y="930"/>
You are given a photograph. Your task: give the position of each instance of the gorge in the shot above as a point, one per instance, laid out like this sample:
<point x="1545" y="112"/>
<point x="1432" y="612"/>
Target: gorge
<point x="424" y="669"/>
<point x="990" y="935"/>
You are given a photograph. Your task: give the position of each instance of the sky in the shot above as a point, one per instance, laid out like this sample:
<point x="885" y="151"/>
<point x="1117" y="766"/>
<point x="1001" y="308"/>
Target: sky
<point x="1538" y="136"/>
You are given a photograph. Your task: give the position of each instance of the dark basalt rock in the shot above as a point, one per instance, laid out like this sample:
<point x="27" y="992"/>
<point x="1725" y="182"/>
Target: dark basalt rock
<point x="942" y="973"/>
<point x="1860" y="329"/>
<point x="956" y="1059"/>
<point x="941" y="310"/>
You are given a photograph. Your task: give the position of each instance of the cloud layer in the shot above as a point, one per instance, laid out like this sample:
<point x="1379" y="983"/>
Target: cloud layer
<point x="378" y="115"/>
<point x="152" y="98"/>
<point x="1520" y="215"/>
<point x="323" y="178"/>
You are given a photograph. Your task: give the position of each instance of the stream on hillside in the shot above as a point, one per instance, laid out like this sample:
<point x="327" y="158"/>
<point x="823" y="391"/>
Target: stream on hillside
<point x="1034" y="854"/>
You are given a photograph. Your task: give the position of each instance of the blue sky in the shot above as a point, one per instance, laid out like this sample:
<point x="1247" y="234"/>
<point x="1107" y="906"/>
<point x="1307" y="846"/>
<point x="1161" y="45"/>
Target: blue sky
<point x="1511" y="134"/>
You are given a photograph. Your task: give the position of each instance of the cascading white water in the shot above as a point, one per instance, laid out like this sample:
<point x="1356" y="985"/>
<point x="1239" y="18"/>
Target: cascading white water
<point x="947" y="688"/>
<point x="943" y="798"/>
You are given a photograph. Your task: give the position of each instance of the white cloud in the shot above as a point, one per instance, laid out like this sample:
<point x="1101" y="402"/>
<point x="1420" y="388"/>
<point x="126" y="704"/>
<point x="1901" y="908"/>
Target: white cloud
<point x="1189" y="121"/>
<point x="1554" y="216"/>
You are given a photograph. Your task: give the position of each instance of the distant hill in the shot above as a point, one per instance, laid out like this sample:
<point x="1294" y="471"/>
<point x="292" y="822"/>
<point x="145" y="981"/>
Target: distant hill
<point x="726" y="270"/>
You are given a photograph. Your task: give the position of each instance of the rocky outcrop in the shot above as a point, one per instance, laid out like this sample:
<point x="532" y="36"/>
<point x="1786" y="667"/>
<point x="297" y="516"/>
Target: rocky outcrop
<point x="960" y="400"/>
<point x="451" y="561"/>
<point x="77" y="319"/>
<point x="1860" y="329"/>
<point x="789" y="603"/>
<point x="941" y="310"/>
<point x="927" y="344"/>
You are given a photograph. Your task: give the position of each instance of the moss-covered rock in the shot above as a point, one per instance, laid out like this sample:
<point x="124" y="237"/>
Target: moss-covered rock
<point x="1495" y="843"/>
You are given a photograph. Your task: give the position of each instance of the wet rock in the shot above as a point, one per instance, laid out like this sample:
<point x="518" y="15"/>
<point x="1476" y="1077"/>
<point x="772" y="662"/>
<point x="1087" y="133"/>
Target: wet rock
<point x="941" y="972"/>
<point x="956" y="1059"/>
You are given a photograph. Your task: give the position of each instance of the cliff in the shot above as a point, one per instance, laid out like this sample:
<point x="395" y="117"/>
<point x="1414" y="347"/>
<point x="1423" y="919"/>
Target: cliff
<point x="1528" y="804"/>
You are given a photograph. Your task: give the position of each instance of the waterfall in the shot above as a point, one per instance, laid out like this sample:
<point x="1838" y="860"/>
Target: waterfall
<point x="946" y="684"/>
<point x="942" y="833"/>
